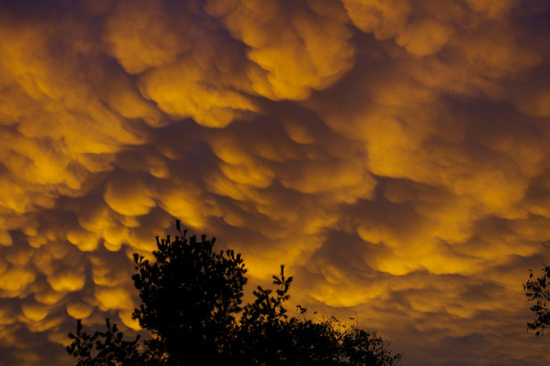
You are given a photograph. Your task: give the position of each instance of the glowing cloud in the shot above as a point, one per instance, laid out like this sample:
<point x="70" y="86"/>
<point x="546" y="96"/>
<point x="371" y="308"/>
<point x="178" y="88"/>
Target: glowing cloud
<point x="393" y="154"/>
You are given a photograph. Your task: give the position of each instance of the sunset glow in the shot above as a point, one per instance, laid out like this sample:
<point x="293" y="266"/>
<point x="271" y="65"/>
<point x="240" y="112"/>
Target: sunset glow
<point x="393" y="154"/>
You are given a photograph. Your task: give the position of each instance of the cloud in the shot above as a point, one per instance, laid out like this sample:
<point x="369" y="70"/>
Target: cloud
<point x="425" y="37"/>
<point x="393" y="154"/>
<point x="384" y="19"/>
<point x="141" y="37"/>
<point x="310" y="50"/>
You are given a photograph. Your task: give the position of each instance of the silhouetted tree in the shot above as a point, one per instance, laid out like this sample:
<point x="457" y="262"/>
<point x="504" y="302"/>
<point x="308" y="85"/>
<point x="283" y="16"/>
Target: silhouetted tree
<point x="190" y="298"/>
<point x="537" y="291"/>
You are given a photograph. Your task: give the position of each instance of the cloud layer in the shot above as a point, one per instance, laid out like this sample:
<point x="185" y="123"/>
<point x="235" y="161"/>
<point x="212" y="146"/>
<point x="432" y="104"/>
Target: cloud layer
<point x="393" y="154"/>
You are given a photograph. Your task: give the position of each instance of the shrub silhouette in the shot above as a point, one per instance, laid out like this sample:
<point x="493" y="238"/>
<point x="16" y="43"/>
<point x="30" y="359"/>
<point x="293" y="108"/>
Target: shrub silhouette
<point x="192" y="307"/>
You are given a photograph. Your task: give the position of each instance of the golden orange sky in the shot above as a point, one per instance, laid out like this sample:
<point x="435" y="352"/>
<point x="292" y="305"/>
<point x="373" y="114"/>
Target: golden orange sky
<point x="393" y="154"/>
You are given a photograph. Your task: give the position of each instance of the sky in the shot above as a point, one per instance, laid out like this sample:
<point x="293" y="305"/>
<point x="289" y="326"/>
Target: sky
<point x="393" y="154"/>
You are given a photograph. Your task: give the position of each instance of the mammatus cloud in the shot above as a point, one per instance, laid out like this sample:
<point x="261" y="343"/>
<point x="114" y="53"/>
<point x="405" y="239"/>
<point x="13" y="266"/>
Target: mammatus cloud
<point x="393" y="154"/>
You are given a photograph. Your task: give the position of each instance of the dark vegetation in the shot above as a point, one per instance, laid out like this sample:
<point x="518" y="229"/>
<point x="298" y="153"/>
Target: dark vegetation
<point x="193" y="310"/>
<point x="537" y="290"/>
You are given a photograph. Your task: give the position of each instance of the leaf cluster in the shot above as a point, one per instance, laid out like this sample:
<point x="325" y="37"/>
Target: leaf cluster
<point x="104" y="348"/>
<point x="537" y="291"/>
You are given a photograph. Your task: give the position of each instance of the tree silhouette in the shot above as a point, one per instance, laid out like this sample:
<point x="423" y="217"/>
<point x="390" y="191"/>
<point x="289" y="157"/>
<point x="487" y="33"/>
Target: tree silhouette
<point x="189" y="296"/>
<point x="537" y="291"/>
<point x="192" y="307"/>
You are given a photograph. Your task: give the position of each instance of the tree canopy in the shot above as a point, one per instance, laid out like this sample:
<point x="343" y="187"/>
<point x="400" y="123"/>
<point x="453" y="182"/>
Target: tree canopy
<point x="192" y="308"/>
<point x="537" y="290"/>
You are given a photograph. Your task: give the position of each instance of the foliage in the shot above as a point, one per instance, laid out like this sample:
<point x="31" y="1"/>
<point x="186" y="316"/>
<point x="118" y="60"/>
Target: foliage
<point x="110" y="348"/>
<point x="189" y="295"/>
<point x="192" y="307"/>
<point x="537" y="291"/>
